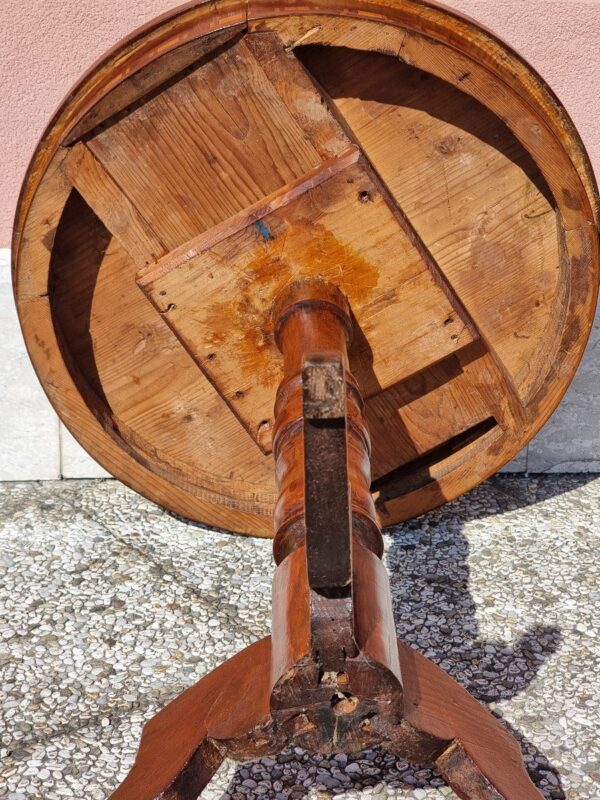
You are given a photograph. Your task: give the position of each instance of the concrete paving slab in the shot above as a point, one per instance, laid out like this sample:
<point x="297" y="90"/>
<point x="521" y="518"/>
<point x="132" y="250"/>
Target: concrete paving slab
<point x="110" y="607"/>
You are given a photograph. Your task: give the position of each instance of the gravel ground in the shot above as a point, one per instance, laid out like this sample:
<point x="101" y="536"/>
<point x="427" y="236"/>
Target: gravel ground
<point x="109" y="607"/>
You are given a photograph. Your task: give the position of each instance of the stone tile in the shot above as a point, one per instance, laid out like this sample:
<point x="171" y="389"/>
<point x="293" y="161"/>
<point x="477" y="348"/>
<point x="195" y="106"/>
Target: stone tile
<point x="518" y="463"/>
<point x="30" y="449"/>
<point x="570" y="440"/>
<point x="74" y="461"/>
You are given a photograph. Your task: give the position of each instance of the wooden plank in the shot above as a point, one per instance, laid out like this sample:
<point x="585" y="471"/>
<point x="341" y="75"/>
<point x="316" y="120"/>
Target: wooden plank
<point x="137" y="378"/>
<point x="343" y="230"/>
<point x="149" y="78"/>
<point x="492" y="231"/>
<point x="36" y="242"/>
<point x="207" y="147"/>
<point x="423" y="412"/>
<point x="115" y="450"/>
<point x="306" y="29"/>
<point x="420" y="471"/>
<point x="299" y="94"/>
<point x="439" y="481"/>
<point x="460" y="52"/>
<point x="204" y="241"/>
<point x="112" y="206"/>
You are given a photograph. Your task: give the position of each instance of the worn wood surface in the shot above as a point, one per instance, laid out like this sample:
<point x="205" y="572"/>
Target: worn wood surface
<point x="230" y="333"/>
<point x="332" y="678"/>
<point x="228" y="714"/>
<point x="219" y="116"/>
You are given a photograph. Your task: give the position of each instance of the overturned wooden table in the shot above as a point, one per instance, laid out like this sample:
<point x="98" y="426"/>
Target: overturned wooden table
<point x="328" y="265"/>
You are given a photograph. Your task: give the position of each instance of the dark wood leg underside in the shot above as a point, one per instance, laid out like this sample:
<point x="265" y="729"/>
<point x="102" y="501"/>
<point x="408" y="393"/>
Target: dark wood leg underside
<point x="226" y="714"/>
<point x="184" y="744"/>
<point x="483" y="760"/>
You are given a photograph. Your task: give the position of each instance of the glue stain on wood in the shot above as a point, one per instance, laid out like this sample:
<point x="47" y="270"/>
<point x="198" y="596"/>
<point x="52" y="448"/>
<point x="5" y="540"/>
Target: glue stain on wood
<point x="286" y="253"/>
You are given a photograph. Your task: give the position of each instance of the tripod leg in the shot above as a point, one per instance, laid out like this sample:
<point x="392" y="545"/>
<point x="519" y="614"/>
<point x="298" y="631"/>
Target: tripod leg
<point x="483" y="761"/>
<point x="183" y="745"/>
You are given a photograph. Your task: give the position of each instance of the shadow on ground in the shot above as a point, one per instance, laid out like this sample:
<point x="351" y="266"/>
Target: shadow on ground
<point x="428" y="562"/>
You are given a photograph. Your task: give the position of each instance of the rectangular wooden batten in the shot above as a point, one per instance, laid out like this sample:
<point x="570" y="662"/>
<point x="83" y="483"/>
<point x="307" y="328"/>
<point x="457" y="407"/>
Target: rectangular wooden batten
<point x="217" y="297"/>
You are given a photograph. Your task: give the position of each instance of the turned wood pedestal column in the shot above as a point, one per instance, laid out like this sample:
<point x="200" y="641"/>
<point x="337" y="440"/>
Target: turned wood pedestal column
<point x="332" y="677"/>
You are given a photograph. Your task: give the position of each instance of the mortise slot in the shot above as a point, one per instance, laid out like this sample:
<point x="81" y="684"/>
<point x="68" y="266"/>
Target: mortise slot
<point x="416" y="473"/>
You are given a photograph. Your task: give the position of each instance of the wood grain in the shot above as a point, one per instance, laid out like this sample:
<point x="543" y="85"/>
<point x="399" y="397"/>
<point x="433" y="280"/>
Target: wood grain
<point x="112" y="206"/>
<point x="503" y="200"/>
<point x="117" y="371"/>
<point x="229" y="333"/>
<point x="223" y="136"/>
<point x="141" y="82"/>
<point x="436" y="704"/>
<point x="496" y="228"/>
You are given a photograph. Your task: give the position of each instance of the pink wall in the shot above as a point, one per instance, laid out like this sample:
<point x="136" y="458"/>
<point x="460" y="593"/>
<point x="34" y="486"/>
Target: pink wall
<point x="46" y="44"/>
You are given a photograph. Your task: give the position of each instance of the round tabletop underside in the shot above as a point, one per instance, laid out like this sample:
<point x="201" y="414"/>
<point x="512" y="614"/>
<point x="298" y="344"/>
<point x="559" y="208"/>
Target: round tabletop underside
<point x="399" y="151"/>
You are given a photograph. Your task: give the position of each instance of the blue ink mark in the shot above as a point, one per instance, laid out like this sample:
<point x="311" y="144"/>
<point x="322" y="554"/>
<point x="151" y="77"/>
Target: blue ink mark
<point x="264" y="231"/>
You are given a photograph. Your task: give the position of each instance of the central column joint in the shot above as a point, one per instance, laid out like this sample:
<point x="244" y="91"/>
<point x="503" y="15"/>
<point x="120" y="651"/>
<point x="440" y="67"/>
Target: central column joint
<point x="313" y="330"/>
<point x="327" y="503"/>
